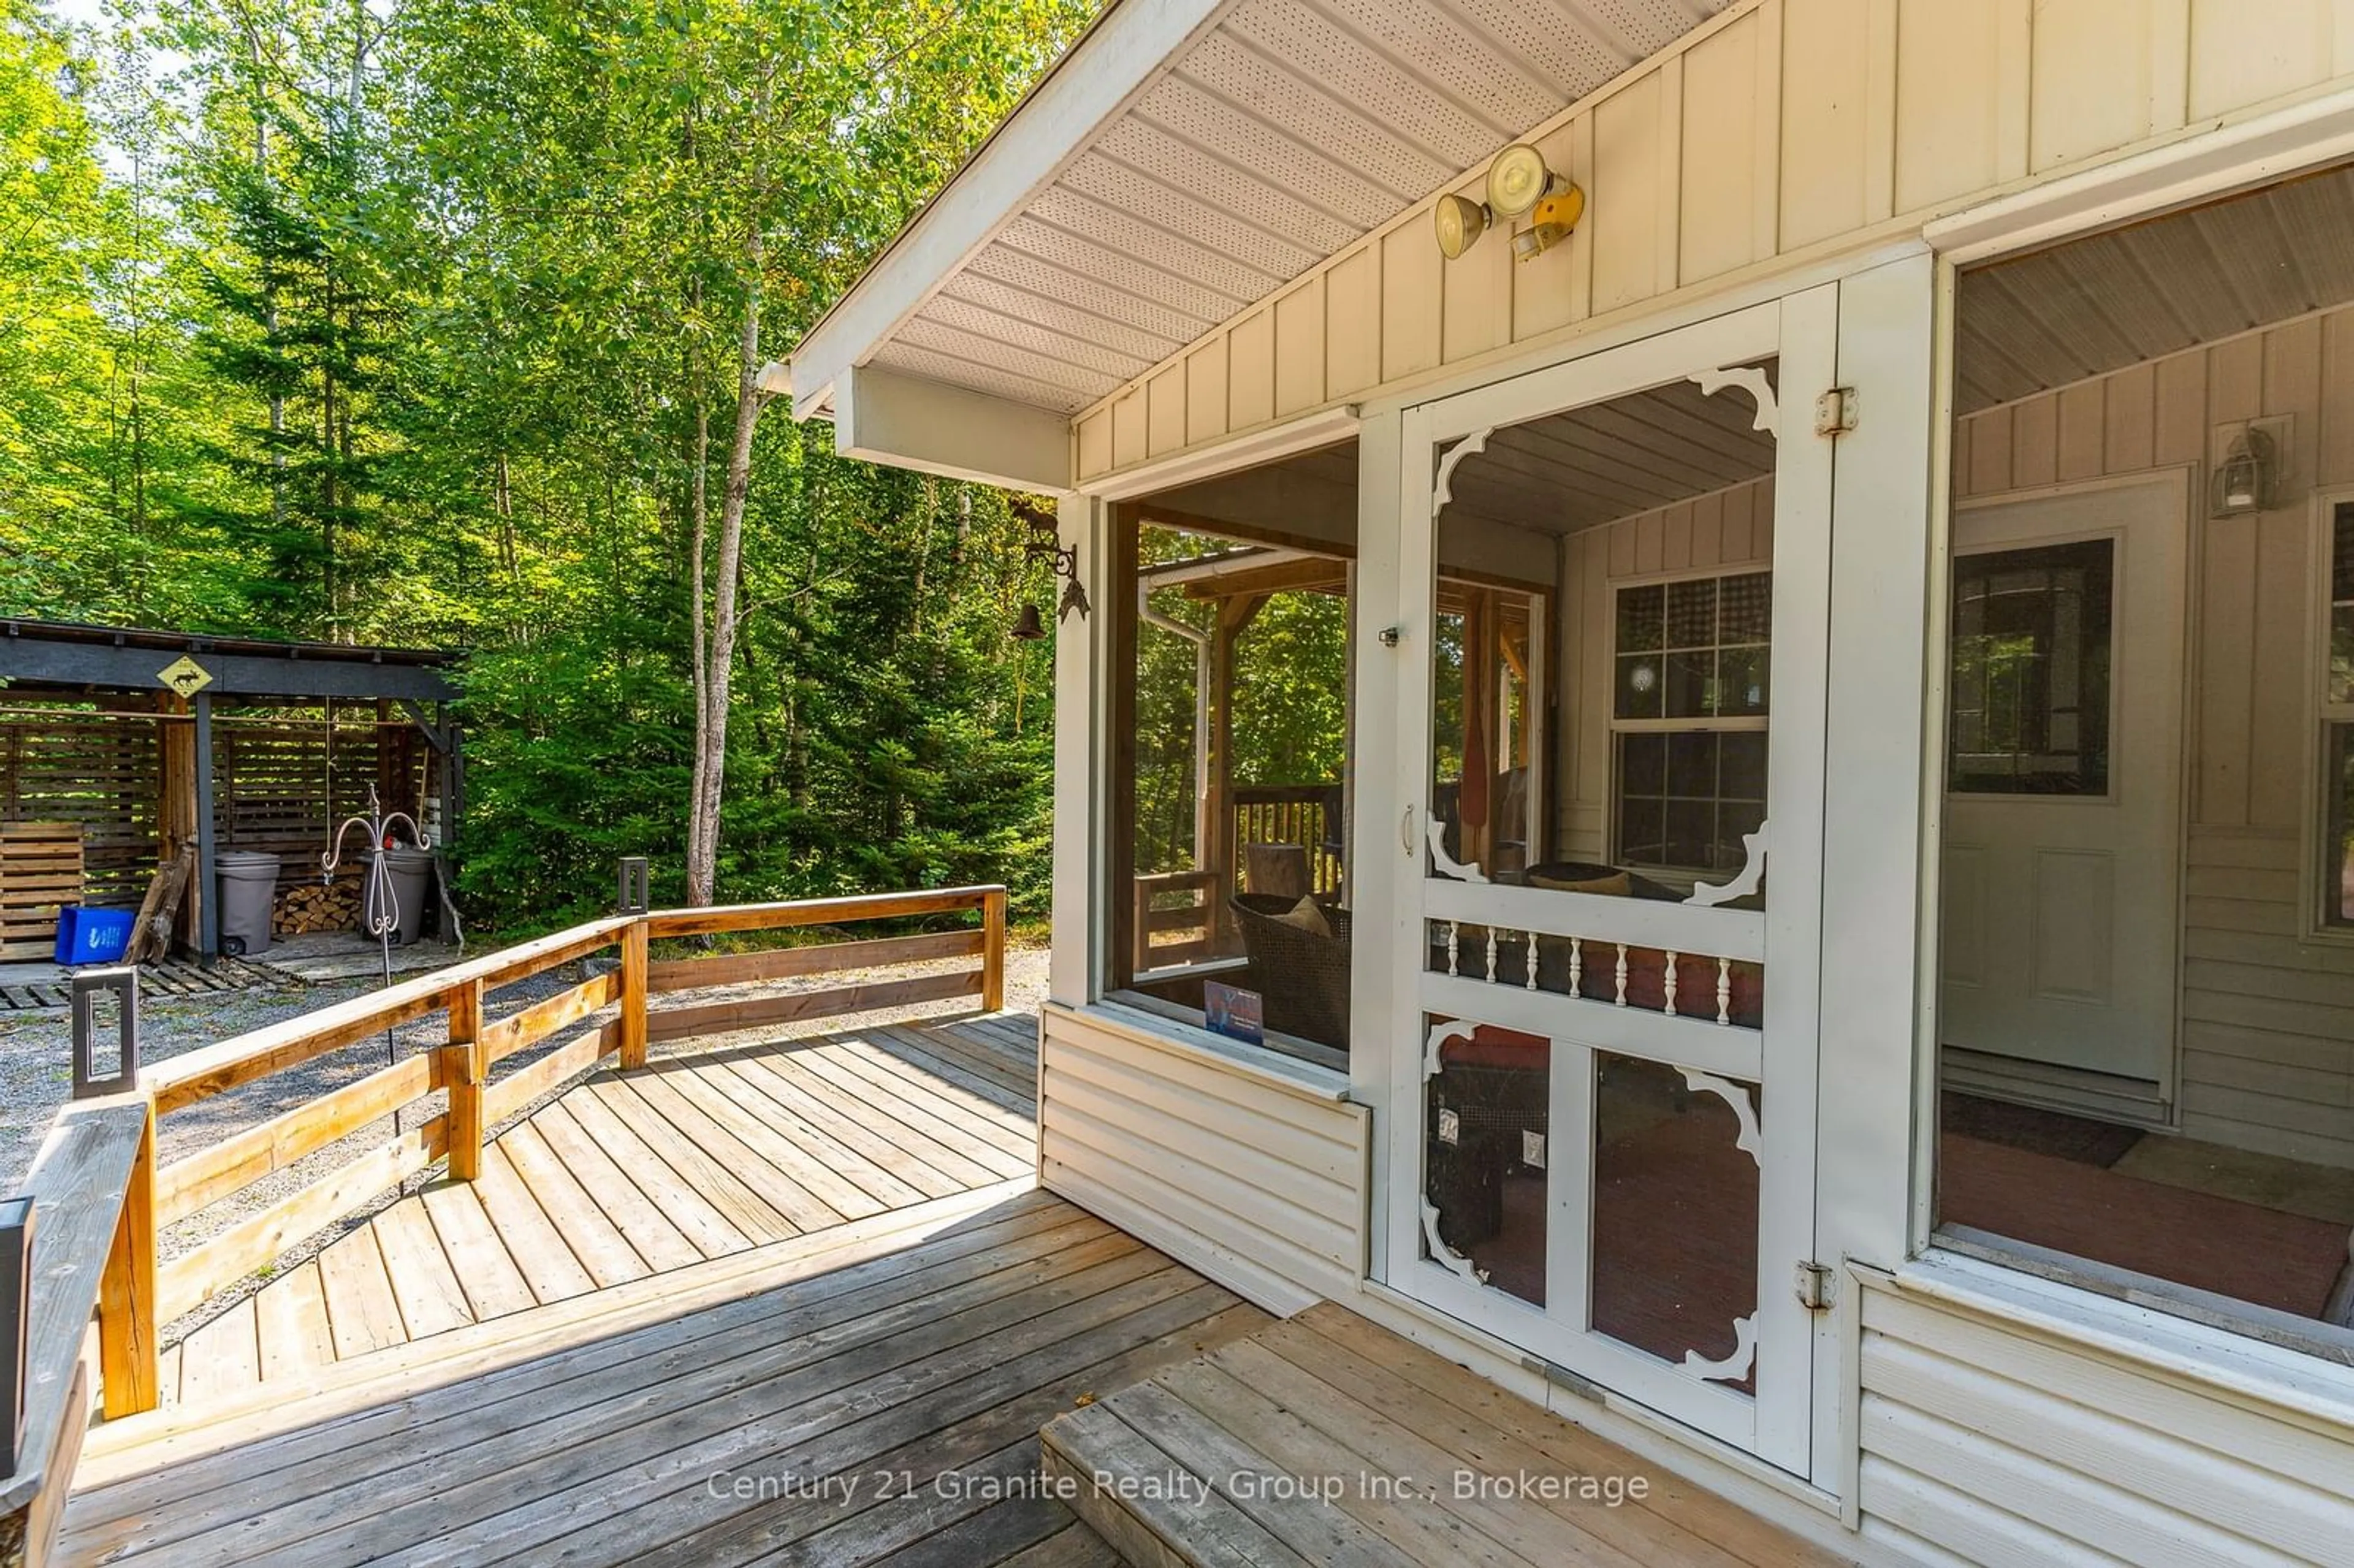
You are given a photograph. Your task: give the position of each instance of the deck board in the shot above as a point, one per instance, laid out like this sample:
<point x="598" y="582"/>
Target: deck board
<point x="1331" y="1395"/>
<point x="940" y="1357"/>
<point x="553" y="1363"/>
<point x="707" y="1154"/>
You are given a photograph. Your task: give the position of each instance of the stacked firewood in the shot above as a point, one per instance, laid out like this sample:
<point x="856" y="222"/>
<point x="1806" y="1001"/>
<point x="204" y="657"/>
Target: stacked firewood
<point x="309" y="906"/>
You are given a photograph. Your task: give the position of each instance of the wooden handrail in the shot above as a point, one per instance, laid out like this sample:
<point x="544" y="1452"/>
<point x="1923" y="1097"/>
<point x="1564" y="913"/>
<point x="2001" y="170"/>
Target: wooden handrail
<point x="131" y="1301"/>
<point x="85" y="1190"/>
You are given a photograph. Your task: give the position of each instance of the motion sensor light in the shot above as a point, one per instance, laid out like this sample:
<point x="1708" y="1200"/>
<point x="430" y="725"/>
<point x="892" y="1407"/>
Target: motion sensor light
<point x="1519" y="179"/>
<point x="1460" y="221"/>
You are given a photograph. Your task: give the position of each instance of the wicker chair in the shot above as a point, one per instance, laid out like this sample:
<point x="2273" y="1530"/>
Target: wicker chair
<point x="1301" y="978"/>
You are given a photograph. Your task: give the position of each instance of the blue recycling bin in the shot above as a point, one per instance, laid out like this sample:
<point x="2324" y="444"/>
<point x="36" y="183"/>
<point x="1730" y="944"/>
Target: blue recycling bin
<point x="92" y="936"/>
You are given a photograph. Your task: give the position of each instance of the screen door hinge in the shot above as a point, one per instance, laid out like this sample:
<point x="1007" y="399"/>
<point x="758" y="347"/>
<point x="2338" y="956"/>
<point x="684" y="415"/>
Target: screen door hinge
<point x="1815" y="1286"/>
<point x="1835" y="411"/>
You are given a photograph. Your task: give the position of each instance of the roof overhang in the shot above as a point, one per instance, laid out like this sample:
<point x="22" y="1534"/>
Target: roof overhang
<point x="1186" y="160"/>
<point x="55" y="653"/>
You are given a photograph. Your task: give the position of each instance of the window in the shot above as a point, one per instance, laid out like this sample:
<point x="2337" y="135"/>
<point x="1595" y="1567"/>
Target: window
<point x="1690" y="717"/>
<point x="2030" y="692"/>
<point x="2338" y="721"/>
<point x="1229" y="763"/>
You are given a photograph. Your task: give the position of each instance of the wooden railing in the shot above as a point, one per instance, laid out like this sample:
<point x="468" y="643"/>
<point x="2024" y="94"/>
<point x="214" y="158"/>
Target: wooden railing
<point x="1291" y="814"/>
<point x="102" y="1200"/>
<point x="1183" y="903"/>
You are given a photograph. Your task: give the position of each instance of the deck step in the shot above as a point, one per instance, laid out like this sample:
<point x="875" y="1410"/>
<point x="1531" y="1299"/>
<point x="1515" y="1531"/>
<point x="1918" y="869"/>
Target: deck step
<point x="1326" y="1439"/>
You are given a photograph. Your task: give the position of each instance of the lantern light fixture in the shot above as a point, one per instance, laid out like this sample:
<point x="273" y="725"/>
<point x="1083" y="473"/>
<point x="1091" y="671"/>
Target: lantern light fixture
<point x="2247" y="475"/>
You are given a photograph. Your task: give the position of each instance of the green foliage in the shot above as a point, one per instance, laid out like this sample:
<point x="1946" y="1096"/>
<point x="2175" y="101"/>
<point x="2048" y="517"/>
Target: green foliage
<point x="398" y="323"/>
<point x="1289" y="693"/>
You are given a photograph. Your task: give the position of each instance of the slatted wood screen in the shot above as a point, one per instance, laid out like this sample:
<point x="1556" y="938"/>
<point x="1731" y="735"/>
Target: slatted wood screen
<point x="283" y="787"/>
<point x="102" y="771"/>
<point x="40" y="869"/>
<point x="281" y="779"/>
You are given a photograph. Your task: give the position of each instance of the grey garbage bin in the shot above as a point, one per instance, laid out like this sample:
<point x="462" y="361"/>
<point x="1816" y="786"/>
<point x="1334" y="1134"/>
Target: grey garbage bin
<point x="412" y="885"/>
<point x="246" y="885"/>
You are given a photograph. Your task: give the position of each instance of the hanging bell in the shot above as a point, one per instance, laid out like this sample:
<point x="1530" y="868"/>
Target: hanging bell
<point x="1029" y="627"/>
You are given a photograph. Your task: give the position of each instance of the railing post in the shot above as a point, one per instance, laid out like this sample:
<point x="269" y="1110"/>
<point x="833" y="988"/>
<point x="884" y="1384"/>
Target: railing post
<point x="467" y="1074"/>
<point x="127" y="1350"/>
<point x="993" y="950"/>
<point x="633" y="995"/>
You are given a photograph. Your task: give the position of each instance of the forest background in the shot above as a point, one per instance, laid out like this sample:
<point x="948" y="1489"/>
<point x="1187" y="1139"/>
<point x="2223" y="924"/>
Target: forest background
<point x="434" y="323"/>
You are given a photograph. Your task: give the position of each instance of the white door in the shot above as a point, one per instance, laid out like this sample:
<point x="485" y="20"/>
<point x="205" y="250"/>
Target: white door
<point x="1601" y="1145"/>
<point x="2064" y="800"/>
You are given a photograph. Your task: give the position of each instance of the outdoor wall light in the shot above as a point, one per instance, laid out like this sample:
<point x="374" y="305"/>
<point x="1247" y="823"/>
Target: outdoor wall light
<point x="1460" y="221"/>
<point x="1519" y="184"/>
<point x="1519" y="179"/>
<point x="2248" y="475"/>
<point x="1045" y="541"/>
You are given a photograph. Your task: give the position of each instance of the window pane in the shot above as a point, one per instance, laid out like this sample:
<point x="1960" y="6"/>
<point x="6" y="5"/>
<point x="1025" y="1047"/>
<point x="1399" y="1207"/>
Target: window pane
<point x="2031" y="662"/>
<point x="1640" y="625"/>
<point x="1692" y="686"/>
<point x="1741" y="681"/>
<point x="1692" y="613"/>
<point x="1641" y="687"/>
<point x="1746" y="610"/>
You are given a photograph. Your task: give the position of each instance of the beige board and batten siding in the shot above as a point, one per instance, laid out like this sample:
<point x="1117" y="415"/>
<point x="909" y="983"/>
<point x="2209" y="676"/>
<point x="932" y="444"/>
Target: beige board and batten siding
<point x="2267" y="1017"/>
<point x="1783" y="127"/>
<point x="1252" y="1180"/>
<point x="1985" y="1442"/>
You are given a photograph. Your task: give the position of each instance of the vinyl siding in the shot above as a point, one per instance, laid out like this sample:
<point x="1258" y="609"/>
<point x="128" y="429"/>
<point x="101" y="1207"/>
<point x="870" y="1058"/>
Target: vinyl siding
<point x="2267" y="1018"/>
<point x="1255" y="1185"/>
<point x="1784" y="127"/>
<point x="1985" y="1443"/>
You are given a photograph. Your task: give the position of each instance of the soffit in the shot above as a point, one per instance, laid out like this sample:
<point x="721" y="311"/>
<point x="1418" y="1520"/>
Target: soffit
<point x="2109" y="301"/>
<point x="1278" y="136"/>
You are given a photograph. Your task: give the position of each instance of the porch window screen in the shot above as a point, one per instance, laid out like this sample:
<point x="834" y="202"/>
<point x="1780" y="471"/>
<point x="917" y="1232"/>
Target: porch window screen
<point x="1693" y="689"/>
<point x="2338" y="720"/>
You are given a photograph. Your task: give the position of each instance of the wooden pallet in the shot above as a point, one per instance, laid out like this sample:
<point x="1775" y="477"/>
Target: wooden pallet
<point x="40" y="868"/>
<point x="165" y="981"/>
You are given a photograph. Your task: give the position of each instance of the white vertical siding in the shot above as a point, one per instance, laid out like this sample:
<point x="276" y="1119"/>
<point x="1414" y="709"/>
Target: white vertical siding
<point x="2268" y="1020"/>
<point x="1259" y="1185"/>
<point x="1783" y="126"/>
<point x="1985" y="1443"/>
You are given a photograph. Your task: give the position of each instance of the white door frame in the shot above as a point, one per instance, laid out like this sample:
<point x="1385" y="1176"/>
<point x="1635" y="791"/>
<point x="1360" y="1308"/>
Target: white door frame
<point x="1778" y="1424"/>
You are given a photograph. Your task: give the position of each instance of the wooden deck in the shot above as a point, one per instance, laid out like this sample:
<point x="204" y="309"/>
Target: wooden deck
<point x="802" y="1302"/>
<point x="1328" y="1439"/>
<point x="708" y="1154"/>
<point x="695" y="1417"/>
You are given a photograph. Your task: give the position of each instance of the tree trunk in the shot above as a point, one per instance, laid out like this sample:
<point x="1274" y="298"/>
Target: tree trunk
<point x="711" y="717"/>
